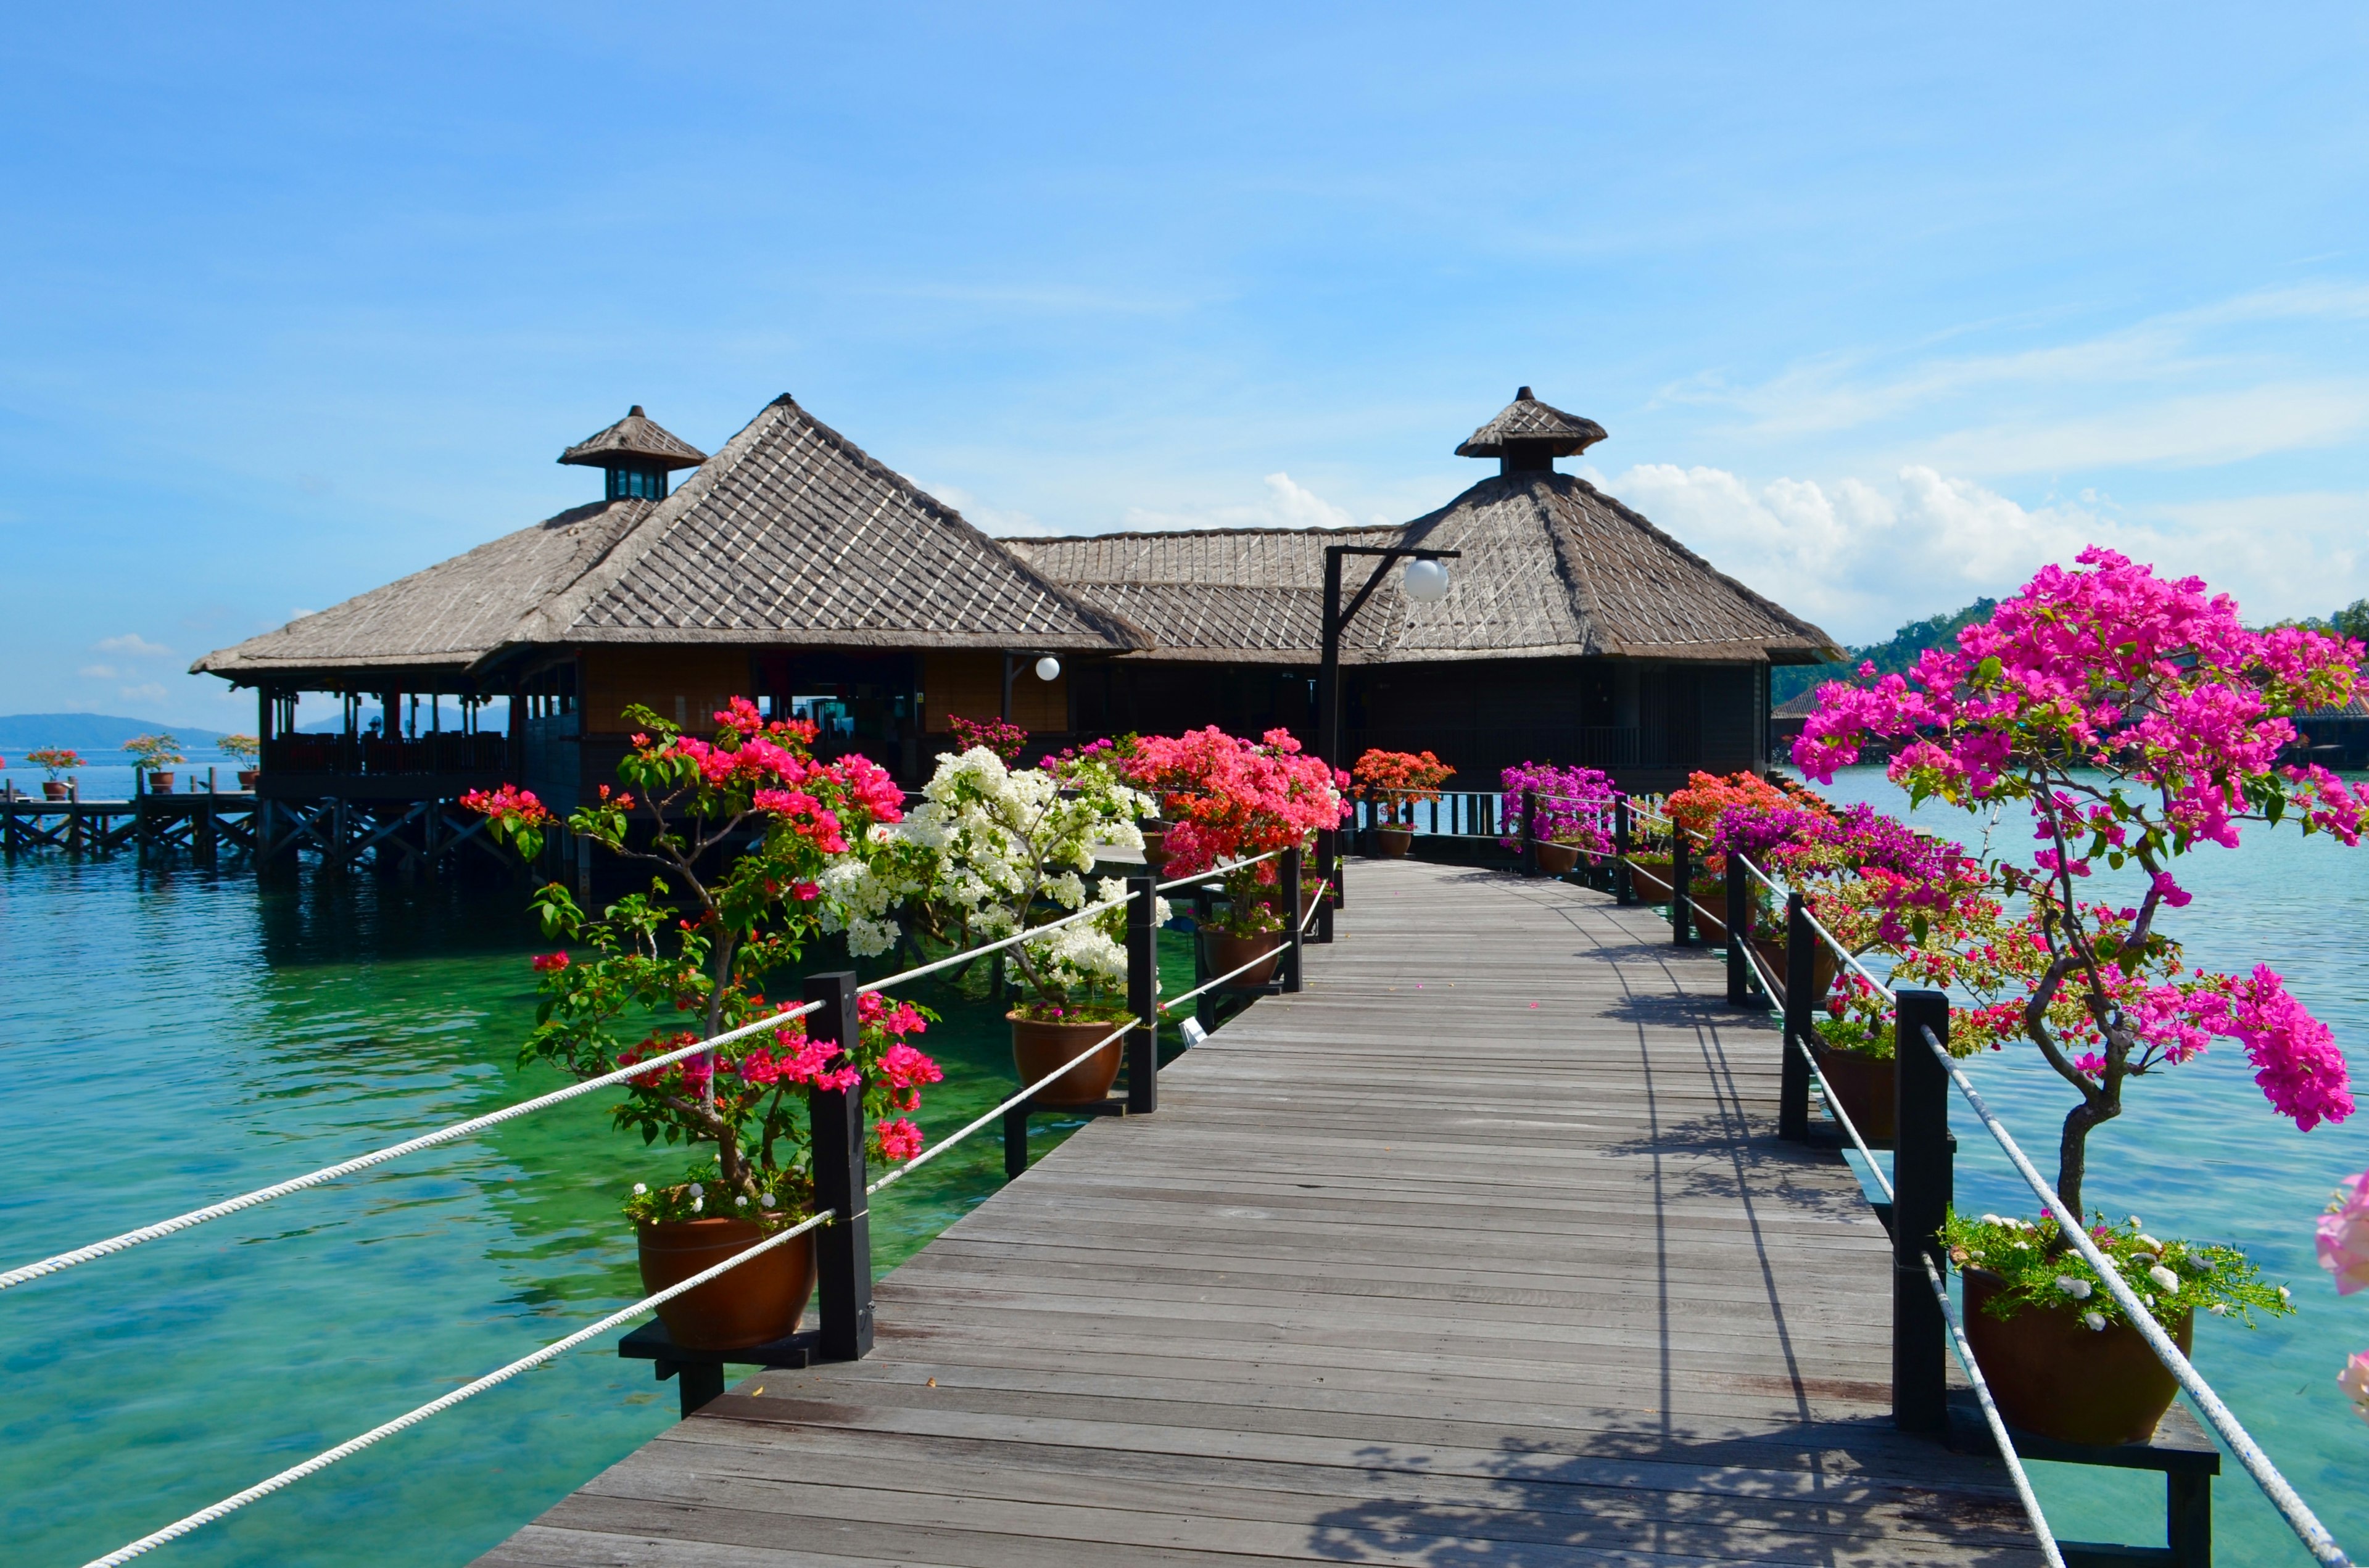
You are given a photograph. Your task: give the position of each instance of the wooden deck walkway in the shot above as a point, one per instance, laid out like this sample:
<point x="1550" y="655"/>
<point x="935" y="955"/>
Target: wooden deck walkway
<point x="1481" y="1251"/>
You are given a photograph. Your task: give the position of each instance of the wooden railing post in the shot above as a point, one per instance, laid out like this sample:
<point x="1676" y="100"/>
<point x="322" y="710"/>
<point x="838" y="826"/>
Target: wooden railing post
<point x="1794" y="1074"/>
<point x="1290" y="877"/>
<point x="1328" y="866"/>
<point x="1923" y="1166"/>
<point x="843" y="1247"/>
<point x="1142" y="995"/>
<point x="1682" y="878"/>
<point x="1739" y="931"/>
<point x="1623" y="890"/>
<point x="1529" y="832"/>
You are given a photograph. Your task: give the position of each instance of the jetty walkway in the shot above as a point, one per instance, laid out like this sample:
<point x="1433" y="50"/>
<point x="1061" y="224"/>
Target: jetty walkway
<point x="1481" y="1251"/>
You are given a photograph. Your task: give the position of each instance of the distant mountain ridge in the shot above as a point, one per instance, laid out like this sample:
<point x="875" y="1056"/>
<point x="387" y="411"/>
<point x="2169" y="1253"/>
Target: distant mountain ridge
<point x="92" y="734"/>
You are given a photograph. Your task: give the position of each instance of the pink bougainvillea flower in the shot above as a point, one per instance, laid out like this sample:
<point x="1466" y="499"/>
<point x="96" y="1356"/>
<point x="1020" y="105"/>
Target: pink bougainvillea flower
<point x="2301" y="1071"/>
<point x="2354" y="1381"/>
<point x="900" y="1140"/>
<point x="2344" y="1236"/>
<point x="546" y="962"/>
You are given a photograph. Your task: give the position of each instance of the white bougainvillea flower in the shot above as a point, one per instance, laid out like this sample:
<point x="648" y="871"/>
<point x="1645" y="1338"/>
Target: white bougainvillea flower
<point x="2164" y="1278"/>
<point x="698" y="1204"/>
<point x="739" y="1201"/>
<point x="2076" y="1289"/>
<point x="2219" y="1309"/>
<point x="2150" y="1243"/>
<point x="765" y="1200"/>
<point x="641" y="1189"/>
<point x="697" y="1191"/>
<point x="2097" y="1322"/>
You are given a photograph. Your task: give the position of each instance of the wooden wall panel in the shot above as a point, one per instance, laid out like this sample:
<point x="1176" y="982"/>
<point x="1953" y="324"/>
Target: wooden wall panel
<point x="686" y="685"/>
<point x="971" y="684"/>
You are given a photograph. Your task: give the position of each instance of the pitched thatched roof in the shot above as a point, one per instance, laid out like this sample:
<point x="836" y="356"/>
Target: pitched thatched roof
<point x="635" y="441"/>
<point x="1551" y="567"/>
<point x="789" y="536"/>
<point x="1527" y="422"/>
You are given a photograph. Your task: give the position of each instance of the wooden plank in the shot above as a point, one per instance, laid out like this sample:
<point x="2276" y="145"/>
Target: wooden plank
<point x="1482" y="1249"/>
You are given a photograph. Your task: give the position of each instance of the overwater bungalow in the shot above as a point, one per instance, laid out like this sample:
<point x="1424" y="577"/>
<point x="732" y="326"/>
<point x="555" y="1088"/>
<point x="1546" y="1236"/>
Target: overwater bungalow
<point x="793" y="567"/>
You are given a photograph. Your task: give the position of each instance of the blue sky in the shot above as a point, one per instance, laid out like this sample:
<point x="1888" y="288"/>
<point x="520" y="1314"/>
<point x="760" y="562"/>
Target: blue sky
<point x="1882" y="307"/>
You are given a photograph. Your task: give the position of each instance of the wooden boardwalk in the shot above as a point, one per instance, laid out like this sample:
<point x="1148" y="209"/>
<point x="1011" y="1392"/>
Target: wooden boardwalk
<point x="1481" y="1253"/>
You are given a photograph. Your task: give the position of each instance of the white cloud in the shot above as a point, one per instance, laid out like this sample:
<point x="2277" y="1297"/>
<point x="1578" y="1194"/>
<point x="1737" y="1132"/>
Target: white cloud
<point x="977" y="513"/>
<point x="100" y="673"/>
<point x="149" y="693"/>
<point x="1861" y="557"/>
<point x="1287" y="504"/>
<point x="132" y="643"/>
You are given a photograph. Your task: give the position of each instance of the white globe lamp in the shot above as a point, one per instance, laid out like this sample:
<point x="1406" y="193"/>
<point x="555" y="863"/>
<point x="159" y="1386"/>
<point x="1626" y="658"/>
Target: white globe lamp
<point x="1426" y="581"/>
<point x="1048" y="668"/>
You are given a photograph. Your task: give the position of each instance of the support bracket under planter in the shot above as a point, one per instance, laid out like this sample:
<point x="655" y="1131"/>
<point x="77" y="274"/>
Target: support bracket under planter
<point x="700" y="1372"/>
<point x="2180" y="1449"/>
<point x="1015" y="1127"/>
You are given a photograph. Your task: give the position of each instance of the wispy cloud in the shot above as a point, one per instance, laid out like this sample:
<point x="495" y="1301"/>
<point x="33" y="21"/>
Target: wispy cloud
<point x="1287" y="504"/>
<point x="149" y="692"/>
<point x="99" y="672"/>
<point x="134" y="644"/>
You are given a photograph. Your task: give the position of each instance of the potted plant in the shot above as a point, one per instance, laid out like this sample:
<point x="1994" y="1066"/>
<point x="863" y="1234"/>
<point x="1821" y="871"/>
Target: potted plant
<point x="2134" y="717"/>
<point x="243" y="750"/>
<point x="1694" y="810"/>
<point x="993" y="851"/>
<point x="1571" y="808"/>
<point x="1394" y="781"/>
<point x="702" y="941"/>
<point x="56" y="762"/>
<point x="1230" y="799"/>
<point x="1001" y="737"/>
<point x="151" y="754"/>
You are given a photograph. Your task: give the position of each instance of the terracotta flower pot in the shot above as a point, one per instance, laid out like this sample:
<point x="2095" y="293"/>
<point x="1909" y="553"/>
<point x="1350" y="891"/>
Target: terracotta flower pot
<point x="1823" y="965"/>
<point x="51" y="789"/>
<point x="759" y="1301"/>
<point x="1394" y="842"/>
<point x="247" y="777"/>
<point x="1038" y="1047"/>
<point x="1155" y="846"/>
<point x="1226" y="952"/>
<point x="2053" y="1374"/>
<point x="160" y="783"/>
<point x="1865" y="1087"/>
<point x="1711" y="914"/>
<point x="1555" y="859"/>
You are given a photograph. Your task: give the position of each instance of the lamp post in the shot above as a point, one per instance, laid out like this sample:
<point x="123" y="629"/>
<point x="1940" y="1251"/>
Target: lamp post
<point x="1426" y="582"/>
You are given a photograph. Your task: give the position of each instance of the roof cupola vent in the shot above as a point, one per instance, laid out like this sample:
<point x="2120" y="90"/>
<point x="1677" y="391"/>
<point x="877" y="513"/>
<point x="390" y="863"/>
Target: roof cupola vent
<point x="637" y="454"/>
<point x="1529" y="435"/>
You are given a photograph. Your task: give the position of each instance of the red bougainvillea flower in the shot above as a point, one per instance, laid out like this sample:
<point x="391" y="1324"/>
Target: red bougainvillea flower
<point x="898" y="1140"/>
<point x="546" y="962"/>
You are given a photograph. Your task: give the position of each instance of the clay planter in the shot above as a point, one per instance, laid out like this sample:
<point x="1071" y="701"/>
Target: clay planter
<point x="1864" y="1085"/>
<point x="1394" y="842"/>
<point x="1038" y="1047"/>
<point x="1155" y="846"/>
<point x="247" y="777"/>
<point x="1231" y="952"/>
<point x="1555" y="859"/>
<point x="1650" y="888"/>
<point x="759" y="1301"/>
<point x="53" y="790"/>
<point x="1823" y="965"/>
<point x="2053" y="1374"/>
<point x="160" y="783"/>
<point x="1711" y="914"/>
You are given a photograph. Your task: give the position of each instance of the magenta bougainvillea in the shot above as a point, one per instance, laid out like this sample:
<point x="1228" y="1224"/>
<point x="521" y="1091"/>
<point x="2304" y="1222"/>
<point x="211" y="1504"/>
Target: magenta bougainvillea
<point x="1574" y="805"/>
<point x="2134" y="717"/>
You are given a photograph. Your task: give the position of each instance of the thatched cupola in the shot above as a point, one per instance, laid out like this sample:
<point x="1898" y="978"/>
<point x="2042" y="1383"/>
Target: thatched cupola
<point x="1529" y="435"/>
<point x="638" y="454"/>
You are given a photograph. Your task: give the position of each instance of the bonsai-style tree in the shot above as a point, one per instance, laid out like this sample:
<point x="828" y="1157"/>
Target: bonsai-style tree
<point x="1232" y="798"/>
<point x="2134" y="717"/>
<point x="241" y="749"/>
<point x="716" y="921"/>
<point x="154" y="753"/>
<point x="56" y="762"/>
<point x="1397" y="780"/>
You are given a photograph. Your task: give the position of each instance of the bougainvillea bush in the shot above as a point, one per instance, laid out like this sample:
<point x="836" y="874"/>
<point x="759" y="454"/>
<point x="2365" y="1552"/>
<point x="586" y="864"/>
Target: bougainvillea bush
<point x="687" y="959"/>
<point x="1001" y="737"/>
<point x="55" y="760"/>
<point x="2343" y="1245"/>
<point x="2168" y="1278"/>
<point x="1230" y="799"/>
<point x="1572" y="806"/>
<point x="2134" y="718"/>
<point x="1395" y="781"/>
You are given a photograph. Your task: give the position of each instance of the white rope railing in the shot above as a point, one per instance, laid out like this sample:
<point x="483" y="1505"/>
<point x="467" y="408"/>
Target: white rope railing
<point x="1214" y="872"/>
<point x="352" y="1446"/>
<point x="1323" y="883"/>
<point x="130" y="1239"/>
<point x="918" y="1160"/>
<point x="1269" y="956"/>
<point x="2282" y="1496"/>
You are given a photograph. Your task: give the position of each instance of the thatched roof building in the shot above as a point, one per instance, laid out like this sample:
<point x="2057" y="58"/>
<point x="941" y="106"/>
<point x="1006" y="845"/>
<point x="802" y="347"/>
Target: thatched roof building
<point x="792" y="565"/>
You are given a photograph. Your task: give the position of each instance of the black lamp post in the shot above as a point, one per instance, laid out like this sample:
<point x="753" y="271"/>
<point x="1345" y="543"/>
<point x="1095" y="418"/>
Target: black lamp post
<point x="1328" y="676"/>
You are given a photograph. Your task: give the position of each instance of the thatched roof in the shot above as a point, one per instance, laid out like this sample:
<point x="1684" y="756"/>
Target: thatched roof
<point x="1551" y="566"/>
<point x="790" y="535"/>
<point x="1527" y="422"/>
<point x="635" y="441"/>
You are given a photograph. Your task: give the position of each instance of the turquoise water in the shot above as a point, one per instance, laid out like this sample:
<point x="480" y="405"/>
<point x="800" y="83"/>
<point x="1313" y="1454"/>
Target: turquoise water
<point x="2198" y="1152"/>
<point x="170" y="1038"/>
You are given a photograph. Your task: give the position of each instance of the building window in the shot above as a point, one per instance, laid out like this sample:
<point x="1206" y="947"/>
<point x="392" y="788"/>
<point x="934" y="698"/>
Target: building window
<point x="637" y="484"/>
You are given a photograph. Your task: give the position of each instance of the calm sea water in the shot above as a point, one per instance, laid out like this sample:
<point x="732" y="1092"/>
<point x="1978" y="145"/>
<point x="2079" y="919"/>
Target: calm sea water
<point x="168" y="1037"/>
<point x="2198" y="1152"/>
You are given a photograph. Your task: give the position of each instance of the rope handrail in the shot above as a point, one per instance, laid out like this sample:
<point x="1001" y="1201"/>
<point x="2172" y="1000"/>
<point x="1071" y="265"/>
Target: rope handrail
<point x="918" y="1160"/>
<point x="1781" y="890"/>
<point x="1202" y="876"/>
<point x="130" y="1239"/>
<point x="1176" y="1001"/>
<point x="1965" y="1350"/>
<point x="2283" y="1496"/>
<point x="1323" y="885"/>
<point x="410" y="1418"/>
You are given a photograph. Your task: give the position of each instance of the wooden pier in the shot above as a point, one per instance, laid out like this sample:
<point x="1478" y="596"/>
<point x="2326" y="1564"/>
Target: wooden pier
<point x="1482" y="1251"/>
<point x="203" y="823"/>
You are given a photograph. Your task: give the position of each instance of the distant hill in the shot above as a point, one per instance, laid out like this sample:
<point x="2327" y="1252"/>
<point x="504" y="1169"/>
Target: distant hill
<point x="94" y="735"/>
<point x="1891" y="658"/>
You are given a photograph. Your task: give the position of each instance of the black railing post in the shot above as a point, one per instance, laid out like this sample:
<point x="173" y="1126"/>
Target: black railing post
<point x="1682" y="878"/>
<point x="1794" y="1075"/>
<point x="1328" y="866"/>
<point x="1739" y="932"/>
<point x="1143" y="996"/>
<point x="842" y="1247"/>
<point x="1923" y="1162"/>
<point x="1529" y="832"/>
<point x="1291" y="947"/>
<point x="1623" y="890"/>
